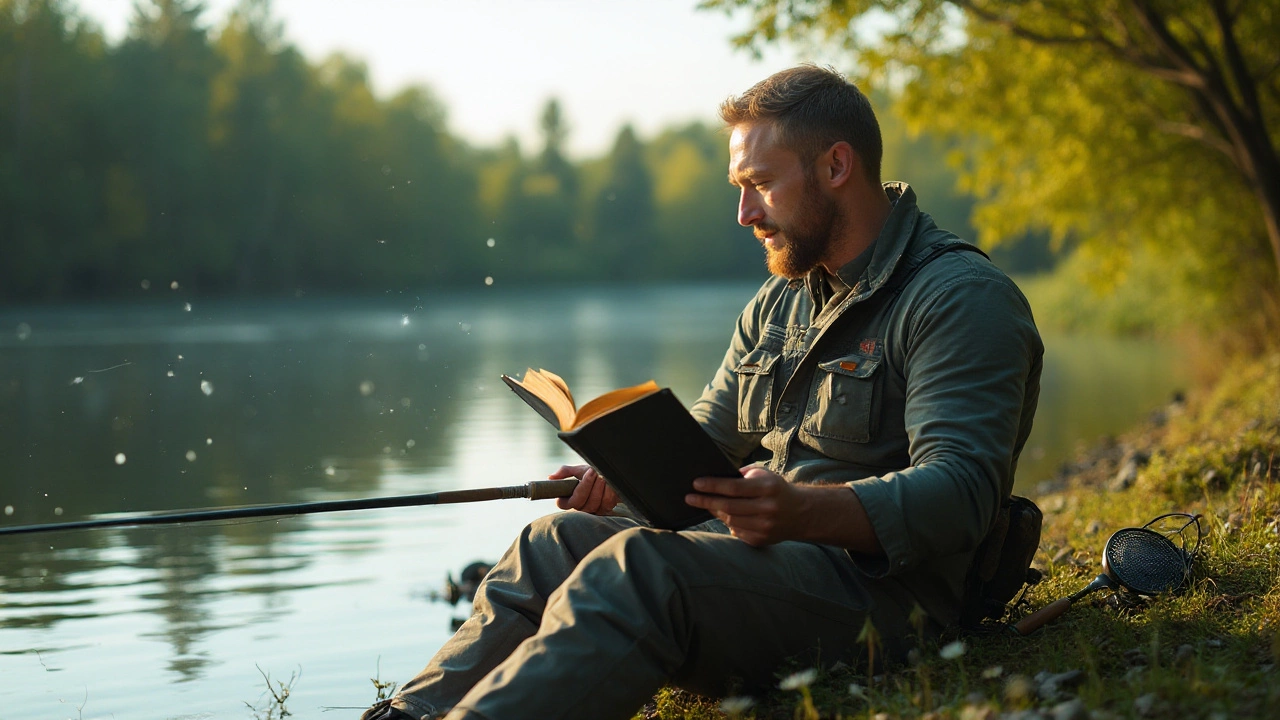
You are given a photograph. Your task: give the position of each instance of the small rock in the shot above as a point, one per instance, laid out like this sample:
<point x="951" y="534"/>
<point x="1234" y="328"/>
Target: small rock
<point x="1184" y="654"/>
<point x="1052" y="686"/>
<point x="1063" y="555"/>
<point x="1125" y="478"/>
<point x="975" y="698"/>
<point x="1094" y="527"/>
<point x="1019" y="688"/>
<point x="1135" y="657"/>
<point x="1070" y="710"/>
<point x="1145" y="705"/>
<point x="880" y="716"/>
<point x="1021" y="715"/>
<point x="1213" y="642"/>
<point x="974" y="711"/>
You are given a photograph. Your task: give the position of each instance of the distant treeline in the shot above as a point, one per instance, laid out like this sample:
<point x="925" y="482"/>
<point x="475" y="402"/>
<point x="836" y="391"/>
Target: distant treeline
<point x="225" y="161"/>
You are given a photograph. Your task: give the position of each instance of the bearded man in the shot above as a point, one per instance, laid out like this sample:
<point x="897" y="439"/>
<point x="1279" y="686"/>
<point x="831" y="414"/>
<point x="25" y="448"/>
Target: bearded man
<point x="884" y="380"/>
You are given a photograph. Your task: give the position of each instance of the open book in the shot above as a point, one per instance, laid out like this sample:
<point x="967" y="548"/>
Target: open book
<point x="641" y="439"/>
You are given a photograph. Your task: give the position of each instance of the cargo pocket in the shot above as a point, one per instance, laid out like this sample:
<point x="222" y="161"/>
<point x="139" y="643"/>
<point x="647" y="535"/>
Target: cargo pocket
<point x="755" y="391"/>
<point x="843" y="401"/>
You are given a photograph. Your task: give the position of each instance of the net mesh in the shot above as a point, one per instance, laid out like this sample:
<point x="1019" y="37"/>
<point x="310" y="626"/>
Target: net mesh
<point x="1145" y="561"/>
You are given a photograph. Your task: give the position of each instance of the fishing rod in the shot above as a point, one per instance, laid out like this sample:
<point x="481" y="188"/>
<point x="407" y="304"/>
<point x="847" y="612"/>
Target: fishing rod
<point x="536" y="490"/>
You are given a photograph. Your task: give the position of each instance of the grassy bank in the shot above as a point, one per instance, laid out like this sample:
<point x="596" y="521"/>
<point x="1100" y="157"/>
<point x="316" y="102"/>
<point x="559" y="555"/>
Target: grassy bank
<point x="1208" y="652"/>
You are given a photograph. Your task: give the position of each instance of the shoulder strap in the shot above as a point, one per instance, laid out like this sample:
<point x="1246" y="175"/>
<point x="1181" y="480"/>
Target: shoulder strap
<point x="914" y="264"/>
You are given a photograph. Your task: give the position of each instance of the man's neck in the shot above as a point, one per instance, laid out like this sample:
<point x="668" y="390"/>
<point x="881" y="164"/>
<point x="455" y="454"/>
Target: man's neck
<point x="864" y="218"/>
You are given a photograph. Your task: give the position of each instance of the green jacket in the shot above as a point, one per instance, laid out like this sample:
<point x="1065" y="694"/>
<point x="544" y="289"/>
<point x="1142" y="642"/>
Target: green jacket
<point x="919" y="395"/>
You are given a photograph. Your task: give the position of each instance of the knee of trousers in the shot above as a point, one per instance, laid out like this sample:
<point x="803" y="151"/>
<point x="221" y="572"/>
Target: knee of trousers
<point x="579" y="532"/>
<point x="649" y="565"/>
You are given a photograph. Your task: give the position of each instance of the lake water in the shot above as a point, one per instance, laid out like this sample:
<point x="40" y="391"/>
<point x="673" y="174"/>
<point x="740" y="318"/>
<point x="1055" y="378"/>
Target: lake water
<point x="160" y="406"/>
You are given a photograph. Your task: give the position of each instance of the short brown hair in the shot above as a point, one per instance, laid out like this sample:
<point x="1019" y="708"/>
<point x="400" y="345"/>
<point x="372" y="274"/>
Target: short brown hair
<point x="813" y="108"/>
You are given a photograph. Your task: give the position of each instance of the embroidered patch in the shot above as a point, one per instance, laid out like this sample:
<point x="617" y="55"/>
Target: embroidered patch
<point x="850" y="366"/>
<point x="868" y="346"/>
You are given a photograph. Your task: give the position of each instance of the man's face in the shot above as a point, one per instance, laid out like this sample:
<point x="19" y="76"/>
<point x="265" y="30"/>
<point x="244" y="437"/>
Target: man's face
<point x="781" y="201"/>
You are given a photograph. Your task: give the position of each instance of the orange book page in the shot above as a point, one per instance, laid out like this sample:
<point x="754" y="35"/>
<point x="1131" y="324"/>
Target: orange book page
<point x="552" y="390"/>
<point x="611" y="400"/>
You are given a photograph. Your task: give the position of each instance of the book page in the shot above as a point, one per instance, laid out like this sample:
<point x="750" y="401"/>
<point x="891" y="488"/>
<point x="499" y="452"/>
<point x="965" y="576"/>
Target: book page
<point x="551" y="390"/>
<point x="611" y="400"/>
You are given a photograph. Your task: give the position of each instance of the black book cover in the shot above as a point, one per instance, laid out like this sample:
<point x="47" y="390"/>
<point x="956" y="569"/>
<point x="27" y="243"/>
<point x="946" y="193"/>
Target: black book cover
<point x="650" y="450"/>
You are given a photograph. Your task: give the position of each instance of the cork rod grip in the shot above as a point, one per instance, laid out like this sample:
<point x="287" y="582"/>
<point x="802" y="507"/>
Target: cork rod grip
<point x="1037" y="619"/>
<point x="547" y="489"/>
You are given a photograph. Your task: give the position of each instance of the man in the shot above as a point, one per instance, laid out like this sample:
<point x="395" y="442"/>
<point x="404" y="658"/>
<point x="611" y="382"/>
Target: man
<point x="885" y="379"/>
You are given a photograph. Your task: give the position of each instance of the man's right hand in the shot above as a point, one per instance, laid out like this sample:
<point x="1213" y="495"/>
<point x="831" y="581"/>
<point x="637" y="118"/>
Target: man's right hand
<point x="592" y="495"/>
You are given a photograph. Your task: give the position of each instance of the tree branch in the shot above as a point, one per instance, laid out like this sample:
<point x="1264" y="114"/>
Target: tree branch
<point x="1199" y="134"/>
<point x="1245" y="83"/>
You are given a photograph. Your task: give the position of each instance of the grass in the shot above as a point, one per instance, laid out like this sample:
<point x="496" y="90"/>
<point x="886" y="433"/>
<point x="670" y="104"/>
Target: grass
<point x="1209" y="651"/>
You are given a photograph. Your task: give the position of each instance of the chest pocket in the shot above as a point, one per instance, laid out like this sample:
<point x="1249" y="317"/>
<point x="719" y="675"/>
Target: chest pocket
<point x="843" y="401"/>
<point x="755" y="390"/>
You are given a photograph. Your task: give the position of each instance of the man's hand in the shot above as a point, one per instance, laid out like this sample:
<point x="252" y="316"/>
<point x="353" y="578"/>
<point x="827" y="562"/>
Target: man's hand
<point x="592" y="495"/>
<point x="762" y="508"/>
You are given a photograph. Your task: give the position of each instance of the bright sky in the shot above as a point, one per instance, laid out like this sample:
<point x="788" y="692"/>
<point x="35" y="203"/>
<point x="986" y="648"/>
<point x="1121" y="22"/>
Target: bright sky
<point x="494" y="63"/>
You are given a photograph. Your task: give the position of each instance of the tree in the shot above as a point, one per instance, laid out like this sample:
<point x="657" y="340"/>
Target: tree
<point x="1145" y="130"/>
<point x="52" y="163"/>
<point x="622" y="212"/>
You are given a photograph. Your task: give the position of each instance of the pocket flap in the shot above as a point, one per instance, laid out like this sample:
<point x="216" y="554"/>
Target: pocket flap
<point x="757" y="362"/>
<point x="859" y="366"/>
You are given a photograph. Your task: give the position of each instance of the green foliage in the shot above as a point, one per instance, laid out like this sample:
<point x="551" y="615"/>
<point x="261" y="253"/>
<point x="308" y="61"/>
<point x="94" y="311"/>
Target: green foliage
<point x="1137" y="133"/>
<point x="223" y="159"/>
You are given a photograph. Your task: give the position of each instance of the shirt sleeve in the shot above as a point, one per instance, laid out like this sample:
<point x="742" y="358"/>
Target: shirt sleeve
<point x="971" y="357"/>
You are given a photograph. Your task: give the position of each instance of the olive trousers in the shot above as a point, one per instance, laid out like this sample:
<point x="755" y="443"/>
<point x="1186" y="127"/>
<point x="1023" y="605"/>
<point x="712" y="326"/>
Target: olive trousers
<point x="587" y="617"/>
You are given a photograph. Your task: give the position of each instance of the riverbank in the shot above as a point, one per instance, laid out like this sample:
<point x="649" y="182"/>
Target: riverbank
<point x="1209" y="651"/>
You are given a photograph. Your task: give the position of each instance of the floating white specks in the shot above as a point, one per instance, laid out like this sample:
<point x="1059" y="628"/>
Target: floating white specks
<point x="491" y="242"/>
<point x="208" y="441"/>
<point x="78" y="379"/>
<point x="206" y="387"/>
<point x="57" y="511"/>
<point x="120" y="458"/>
<point x="146" y="284"/>
<point x="186" y="307"/>
<point x="404" y="320"/>
<point x="191" y="456"/>
<point x="173" y="285"/>
<point x="410" y="443"/>
<point x="366" y="388"/>
<point x="169" y="373"/>
<point x="24" y="331"/>
<point x="331" y="471"/>
<point x="8" y="509"/>
<point x="488" y="280"/>
<point x="422" y="346"/>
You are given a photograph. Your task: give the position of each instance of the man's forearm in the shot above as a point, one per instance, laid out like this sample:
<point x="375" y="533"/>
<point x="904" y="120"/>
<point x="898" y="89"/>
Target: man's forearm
<point x="833" y="515"/>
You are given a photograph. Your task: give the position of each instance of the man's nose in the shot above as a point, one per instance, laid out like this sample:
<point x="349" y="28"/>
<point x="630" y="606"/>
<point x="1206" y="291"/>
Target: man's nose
<point x="750" y="210"/>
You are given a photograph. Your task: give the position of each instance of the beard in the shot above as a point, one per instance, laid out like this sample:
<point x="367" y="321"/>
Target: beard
<point x="802" y="246"/>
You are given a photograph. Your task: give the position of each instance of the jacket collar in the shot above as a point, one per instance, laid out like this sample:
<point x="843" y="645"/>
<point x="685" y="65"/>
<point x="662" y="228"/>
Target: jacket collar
<point x="890" y="245"/>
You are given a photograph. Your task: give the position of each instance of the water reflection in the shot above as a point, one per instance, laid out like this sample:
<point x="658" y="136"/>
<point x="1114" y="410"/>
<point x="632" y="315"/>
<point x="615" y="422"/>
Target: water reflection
<point x="330" y="400"/>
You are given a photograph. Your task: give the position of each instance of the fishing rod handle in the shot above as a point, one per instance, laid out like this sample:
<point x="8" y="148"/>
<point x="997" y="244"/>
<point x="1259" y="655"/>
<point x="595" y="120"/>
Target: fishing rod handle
<point x="1037" y="619"/>
<point x="547" y="489"/>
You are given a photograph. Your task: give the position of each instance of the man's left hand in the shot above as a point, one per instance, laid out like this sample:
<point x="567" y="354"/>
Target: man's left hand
<point x="760" y="508"/>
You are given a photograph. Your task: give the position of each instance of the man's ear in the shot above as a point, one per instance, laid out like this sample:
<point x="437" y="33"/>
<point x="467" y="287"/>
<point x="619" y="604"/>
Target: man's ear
<point x="839" y="164"/>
